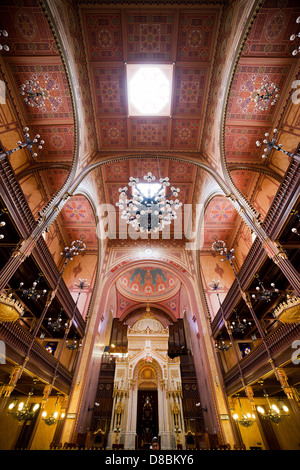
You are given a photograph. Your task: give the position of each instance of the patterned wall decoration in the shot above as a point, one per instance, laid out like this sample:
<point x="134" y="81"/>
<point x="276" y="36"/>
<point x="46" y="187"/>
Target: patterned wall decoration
<point x="109" y="89"/>
<point x="270" y="35"/>
<point x="190" y="85"/>
<point x="185" y="134"/>
<point x="148" y="282"/>
<point x="195" y="36"/>
<point x="240" y="143"/>
<point x="149" y="133"/>
<point x="77" y="220"/>
<point x="113" y="133"/>
<point x="248" y="78"/>
<point x="221" y="221"/>
<point x="29" y="32"/>
<point x="150" y="35"/>
<point x="104" y="36"/>
<point x="59" y="142"/>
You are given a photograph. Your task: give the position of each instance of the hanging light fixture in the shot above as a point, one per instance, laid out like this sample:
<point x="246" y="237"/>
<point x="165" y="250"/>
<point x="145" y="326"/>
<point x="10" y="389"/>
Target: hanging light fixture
<point x="221" y="345"/>
<point x="32" y="292"/>
<point x="4" y="33"/>
<point x="265" y="95"/>
<point x="2" y="223"/>
<point x="74" y="344"/>
<point x="239" y="326"/>
<point x="33" y="94"/>
<point x="29" y="143"/>
<point x="263" y="293"/>
<point x="273" y="413"/>
<point x="246" y="420"/>
<point x="294" y="36"/>
<point x="294" y="229"/>
<point x="148" y="209"/>
<point x="56" y="325"/>
<point x="21" y="411"/>
<point x="54" y="418"/>
<point x="270" y="144"/>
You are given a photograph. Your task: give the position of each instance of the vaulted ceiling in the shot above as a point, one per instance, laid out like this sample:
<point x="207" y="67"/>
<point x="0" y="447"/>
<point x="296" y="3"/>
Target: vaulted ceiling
<point x="78" y="51"/>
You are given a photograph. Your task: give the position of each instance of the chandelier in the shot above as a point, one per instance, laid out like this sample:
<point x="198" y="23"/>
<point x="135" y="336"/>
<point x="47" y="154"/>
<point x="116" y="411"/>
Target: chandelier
<point x="54" y="418"/>
<point x="23" y="412"/>
<point x="74" y="344"/>
<point x="273" y="413"/>
<point x="270" y="144"/>
<point x="265" y="95"/>
<point x="220" y="345"/>
<point x="239" y="326"/>
<point x="289" y="310"/>
<point x="294" y="36"/>
<point x="4" y="46"/>
<point x="32" y="292"/>
<point x="148" y="209"/>
<point x="246" y="420"/>
<point x="263" y="293"/>
<point x="56" y="325"/>
<point x="29" y="143"/>
<point x="33" y="94"/>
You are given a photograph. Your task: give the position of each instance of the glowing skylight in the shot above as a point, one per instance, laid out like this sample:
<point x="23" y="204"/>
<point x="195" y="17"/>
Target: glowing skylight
<point x="149" y="89"/>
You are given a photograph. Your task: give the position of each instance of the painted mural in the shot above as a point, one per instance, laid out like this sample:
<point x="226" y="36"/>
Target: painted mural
<point x="149" y="282"/>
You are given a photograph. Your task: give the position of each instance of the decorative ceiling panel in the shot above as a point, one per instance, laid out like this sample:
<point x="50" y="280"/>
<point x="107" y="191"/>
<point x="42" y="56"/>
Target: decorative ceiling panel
<point x="109" y="87"/>
<point x="52" y="80"/>
<point x="113" y="133"/>
<point x="195" y="36"/>
<point x="104" y="35"/>
<point x="150" y="35"/>
<point x="59" y="142"/>
<point x="240" y="143"/>
<point x="29" y="32"/>
<point x="248" y="78"/>
<point x="270" y="35"/>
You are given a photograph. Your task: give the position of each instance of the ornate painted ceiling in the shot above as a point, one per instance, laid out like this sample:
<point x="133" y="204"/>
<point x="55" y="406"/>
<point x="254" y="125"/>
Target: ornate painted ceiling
<point x="78" y="51"/>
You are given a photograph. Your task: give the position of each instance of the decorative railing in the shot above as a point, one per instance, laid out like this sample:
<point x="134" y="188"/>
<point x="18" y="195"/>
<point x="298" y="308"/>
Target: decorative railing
<point x="258" y="362"/>
<point x="273" y="224"/>
<point x="19" y="340"/>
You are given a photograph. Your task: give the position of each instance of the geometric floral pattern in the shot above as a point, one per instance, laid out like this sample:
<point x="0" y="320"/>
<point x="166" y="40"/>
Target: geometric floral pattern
<point x="190" y="87"/>
<point x="104" y="36"/>
<point x="150" y="36"/>
<point x="270" y="35"/>
<point x="247" y="79"/>
<point x="185" y="134"/>
<point x="29" y="32"/>
<point x="149" y="132"/>
<point x="113" y="133"/>
<point x="109" y="86"/>
<point x="195" y="36"/>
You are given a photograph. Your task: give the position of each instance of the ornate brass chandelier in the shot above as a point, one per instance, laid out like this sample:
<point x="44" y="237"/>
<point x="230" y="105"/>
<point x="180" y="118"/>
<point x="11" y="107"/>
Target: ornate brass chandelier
<point x="246" y="420"/>
<point x="148" y="209"/>
<point x="273" y="413"/>
<point x="23" y="412"/>
<point x="54" y="418"/>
